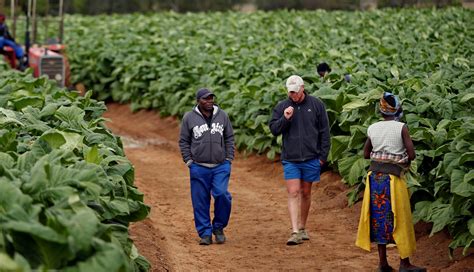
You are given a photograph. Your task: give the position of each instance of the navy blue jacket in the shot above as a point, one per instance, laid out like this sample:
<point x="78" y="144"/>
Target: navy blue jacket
<point x="306" y="134"/>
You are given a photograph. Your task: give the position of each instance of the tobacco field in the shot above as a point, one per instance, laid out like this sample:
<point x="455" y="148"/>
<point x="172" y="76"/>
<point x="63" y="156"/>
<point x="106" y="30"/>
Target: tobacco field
<point x="59" y="163"/>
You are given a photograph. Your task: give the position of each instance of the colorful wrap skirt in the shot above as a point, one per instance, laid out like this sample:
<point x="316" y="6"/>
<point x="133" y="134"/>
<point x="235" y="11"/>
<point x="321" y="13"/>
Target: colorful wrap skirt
<point x="386" y="214"/>
<point x="381" y="215"/>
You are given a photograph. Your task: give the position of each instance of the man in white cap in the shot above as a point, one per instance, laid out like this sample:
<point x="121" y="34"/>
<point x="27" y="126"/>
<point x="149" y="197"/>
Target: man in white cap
<point x="303" y="122"/>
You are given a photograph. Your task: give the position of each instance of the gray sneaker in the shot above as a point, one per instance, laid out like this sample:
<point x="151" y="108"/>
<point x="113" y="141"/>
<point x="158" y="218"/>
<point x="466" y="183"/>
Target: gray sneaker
<point x="295" y="239"/>
<point x="220" y="237"/>
<point x="303" y="234"/>
<point x="206" y="240"/>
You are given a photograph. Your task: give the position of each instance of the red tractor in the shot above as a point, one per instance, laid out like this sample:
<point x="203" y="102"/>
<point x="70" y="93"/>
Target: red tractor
<point x="49" y="60"/>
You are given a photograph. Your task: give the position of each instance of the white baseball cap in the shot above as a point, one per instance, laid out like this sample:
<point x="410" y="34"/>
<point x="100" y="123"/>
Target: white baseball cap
<point x="293" y="83"/>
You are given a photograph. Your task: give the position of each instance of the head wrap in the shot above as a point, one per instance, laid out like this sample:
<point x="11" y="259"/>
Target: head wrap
<point x="386" y="104"/>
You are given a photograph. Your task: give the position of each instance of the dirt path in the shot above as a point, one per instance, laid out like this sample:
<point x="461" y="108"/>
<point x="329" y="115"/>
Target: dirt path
<point x="259" y="224"/>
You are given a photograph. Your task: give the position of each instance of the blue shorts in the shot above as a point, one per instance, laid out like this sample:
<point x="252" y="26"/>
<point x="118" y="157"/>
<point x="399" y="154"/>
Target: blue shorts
<point x="307" y="171"/>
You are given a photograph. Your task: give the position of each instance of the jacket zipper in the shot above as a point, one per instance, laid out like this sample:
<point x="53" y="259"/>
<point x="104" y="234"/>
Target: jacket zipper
<point x="299" y="131"/>
<point x="209" y="132"/>
<point x="210" y="135"/>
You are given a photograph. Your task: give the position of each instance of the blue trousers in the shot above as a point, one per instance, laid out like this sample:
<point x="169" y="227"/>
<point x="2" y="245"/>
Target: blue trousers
<point x="204" y="182"/>
<point x="18" y="50"/>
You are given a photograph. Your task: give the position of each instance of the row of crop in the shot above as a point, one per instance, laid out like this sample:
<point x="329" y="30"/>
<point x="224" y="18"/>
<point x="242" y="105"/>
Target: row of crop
<point x="424" y="56"/>
<point x="66" y="188"/>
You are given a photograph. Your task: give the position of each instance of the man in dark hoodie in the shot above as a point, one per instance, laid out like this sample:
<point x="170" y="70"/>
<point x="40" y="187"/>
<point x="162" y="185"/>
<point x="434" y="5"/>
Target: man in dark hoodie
<point x="207" y="146"/>
<point x="303" y="122"/>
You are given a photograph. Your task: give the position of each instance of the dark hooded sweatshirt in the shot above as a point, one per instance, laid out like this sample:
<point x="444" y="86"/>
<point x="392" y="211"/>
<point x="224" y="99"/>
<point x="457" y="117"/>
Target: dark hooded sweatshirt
<point x="306" y="134"/>
<point x="204" y="144"/>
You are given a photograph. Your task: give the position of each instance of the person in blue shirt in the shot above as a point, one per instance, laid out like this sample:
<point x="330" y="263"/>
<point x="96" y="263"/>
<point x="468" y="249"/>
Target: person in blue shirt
<point x="6" y="39"/>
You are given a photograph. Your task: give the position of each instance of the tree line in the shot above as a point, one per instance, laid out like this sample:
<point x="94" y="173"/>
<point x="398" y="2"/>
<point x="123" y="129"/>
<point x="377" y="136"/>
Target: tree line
<point x="92" y="7"/>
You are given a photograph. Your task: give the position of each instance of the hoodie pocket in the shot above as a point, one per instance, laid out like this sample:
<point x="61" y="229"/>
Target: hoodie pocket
<point x="218" y="152"/>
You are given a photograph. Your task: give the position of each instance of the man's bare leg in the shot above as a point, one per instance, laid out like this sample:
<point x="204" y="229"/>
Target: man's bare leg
<point x="305" y="203"/>
<point x="293" y="187"/>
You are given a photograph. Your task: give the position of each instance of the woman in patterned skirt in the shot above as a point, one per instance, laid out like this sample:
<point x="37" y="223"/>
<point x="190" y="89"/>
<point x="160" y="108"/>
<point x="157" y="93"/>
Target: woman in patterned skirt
<point x="386" y="215"/>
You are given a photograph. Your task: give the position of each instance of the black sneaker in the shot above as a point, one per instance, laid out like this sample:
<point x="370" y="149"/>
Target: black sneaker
<point x="220" y="237"/>
<point x="22" y="63"/>
<point x="206" y="240"/>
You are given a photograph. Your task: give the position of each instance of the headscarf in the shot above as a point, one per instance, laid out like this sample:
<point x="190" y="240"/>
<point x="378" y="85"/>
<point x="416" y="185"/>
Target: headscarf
<point x="385" y="106"/>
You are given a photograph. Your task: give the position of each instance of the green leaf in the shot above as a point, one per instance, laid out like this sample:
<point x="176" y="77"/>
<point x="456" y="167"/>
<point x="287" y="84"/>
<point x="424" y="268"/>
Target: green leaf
<point x="450" y="161"/>
<point x="458" y="186"/>
<point x="35" y="229"/>
<point x="82" y="227"/>
<point x="271" y="154"/>
<point x="470" y="225"/>
<point x="359" y="135"/>
<point x="73" y="116"/>
<point x="466" y="157"/>
<point x="467" y="98"/>
<point x="115" y="207"/>
<point x="462" y="239"/>
<point x="441" y="215"/>
<point x="394" y="72"/>
<point x="108" y="257"/>
<point x="33" y="101"/>
<point x="8" y="264"/>
<point x="73" y="141"/>
<point x="412" y="180"/>
<point x="6" y="160"/>
<point x="440" y="185"/>
<point x="339" y="144"/>
<point x="8" y="141"/>
<point x="54" y="138"/>
<point x="437" y="76"/>
<point x="9" y="117"/>
<point x="334" y="53"/>
<point x="353" y="168"/>
<point x="93" y="156"/>
<point x="469" y="176"/>
<point x="354" y="105"/>
<point x="422" y="211"/>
